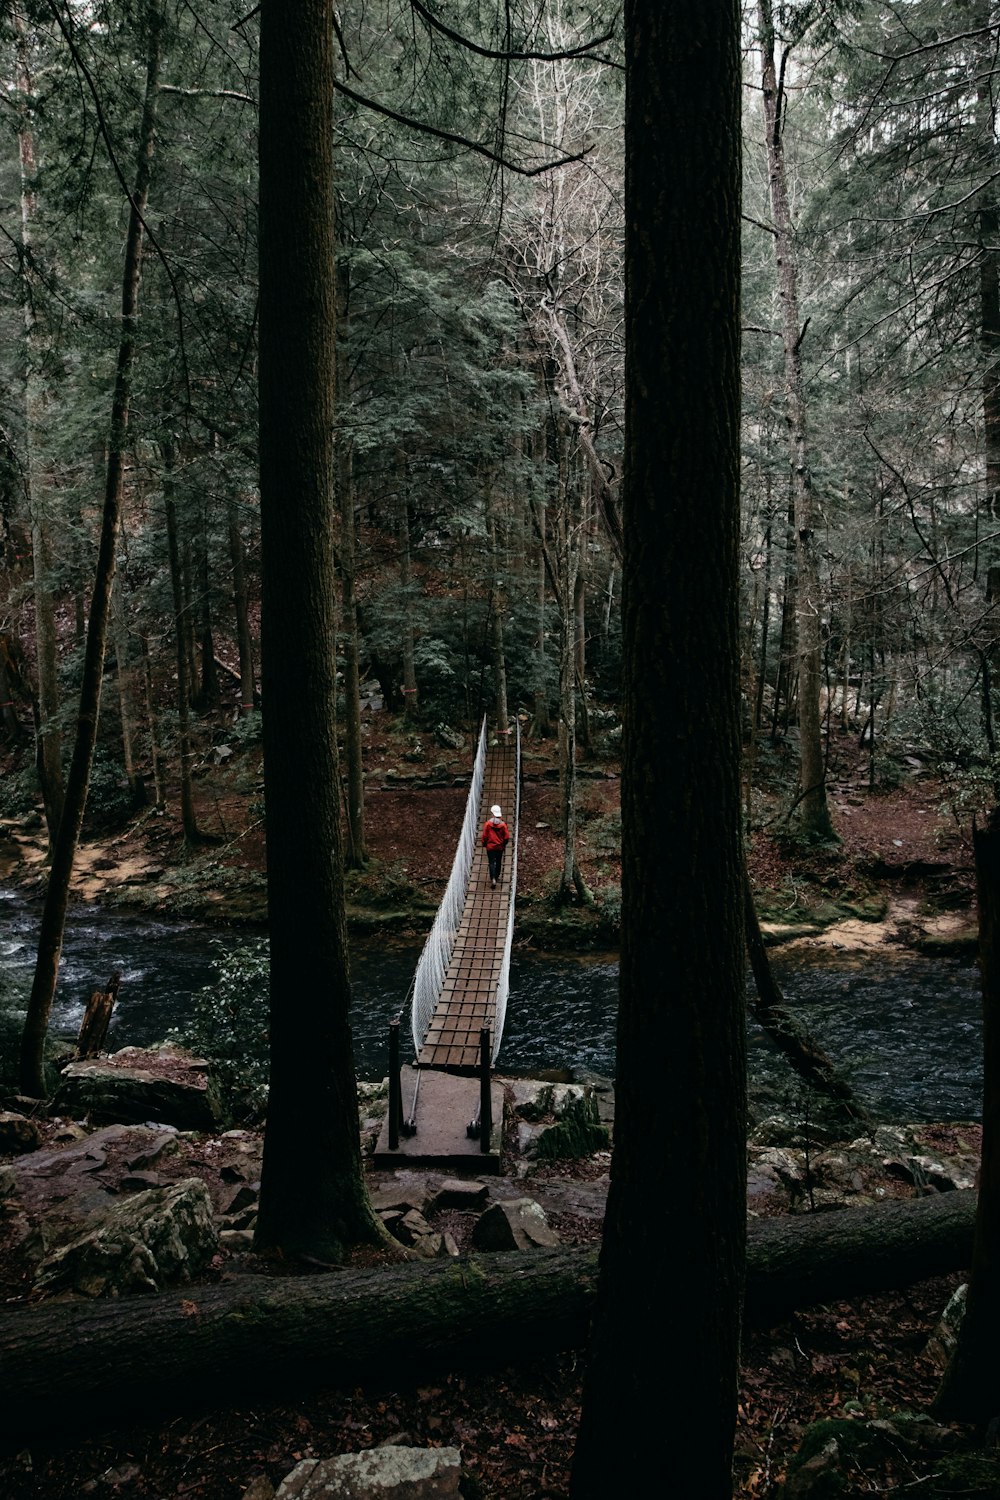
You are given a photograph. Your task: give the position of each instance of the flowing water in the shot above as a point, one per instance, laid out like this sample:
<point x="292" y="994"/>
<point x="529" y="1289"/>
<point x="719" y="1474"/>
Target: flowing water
<point x="908" y="1036"/>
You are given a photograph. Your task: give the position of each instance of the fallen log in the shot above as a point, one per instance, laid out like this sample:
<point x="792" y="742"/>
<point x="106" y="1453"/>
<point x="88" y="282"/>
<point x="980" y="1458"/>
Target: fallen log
<point x="829" y="1257"/>
<point x="102" y="1360"/>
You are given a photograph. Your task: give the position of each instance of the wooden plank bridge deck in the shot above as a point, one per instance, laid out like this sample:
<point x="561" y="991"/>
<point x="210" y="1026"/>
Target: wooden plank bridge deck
<point x="469" y="992"/>
<point x="445" y="1083"/>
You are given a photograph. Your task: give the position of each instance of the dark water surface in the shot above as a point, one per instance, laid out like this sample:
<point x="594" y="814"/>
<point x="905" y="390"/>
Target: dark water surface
<point x="907" y="1035"/>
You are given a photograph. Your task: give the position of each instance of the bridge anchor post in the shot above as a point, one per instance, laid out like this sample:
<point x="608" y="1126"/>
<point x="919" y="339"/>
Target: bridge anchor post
<point x="395" y="1086"/>
<point x="485" y="1098"/>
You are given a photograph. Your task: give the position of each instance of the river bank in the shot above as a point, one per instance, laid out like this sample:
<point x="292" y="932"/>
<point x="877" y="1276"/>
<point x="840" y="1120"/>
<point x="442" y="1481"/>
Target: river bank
<point x="900" y="876"/>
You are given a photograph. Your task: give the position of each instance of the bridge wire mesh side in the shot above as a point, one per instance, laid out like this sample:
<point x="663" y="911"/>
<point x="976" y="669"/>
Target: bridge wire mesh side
<point x="503" y="983"/>
<point x="436" y="955"/>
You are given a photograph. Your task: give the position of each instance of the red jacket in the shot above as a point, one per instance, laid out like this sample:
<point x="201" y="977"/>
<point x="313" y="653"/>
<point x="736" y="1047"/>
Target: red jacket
<point x="496" y="835"/>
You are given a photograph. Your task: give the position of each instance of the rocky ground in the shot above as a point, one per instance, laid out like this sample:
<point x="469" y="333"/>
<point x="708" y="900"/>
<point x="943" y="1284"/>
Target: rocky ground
<point x="859" y="1362"/>
<point x="900" y="879"/>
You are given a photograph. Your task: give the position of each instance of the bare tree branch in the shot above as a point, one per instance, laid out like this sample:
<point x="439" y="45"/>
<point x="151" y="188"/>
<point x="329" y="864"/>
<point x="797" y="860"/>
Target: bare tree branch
<point x="424" y="128"/>
<point x="585" y="49"/>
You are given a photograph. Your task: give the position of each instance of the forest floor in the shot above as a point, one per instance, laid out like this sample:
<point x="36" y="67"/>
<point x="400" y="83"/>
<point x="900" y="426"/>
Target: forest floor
<point x="904" y="856"/>
<point x="901" y="878"/>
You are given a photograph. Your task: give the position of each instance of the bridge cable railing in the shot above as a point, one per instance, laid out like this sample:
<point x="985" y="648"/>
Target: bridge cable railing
<point x="503" y="983"/>
<point x="436" y="956"/>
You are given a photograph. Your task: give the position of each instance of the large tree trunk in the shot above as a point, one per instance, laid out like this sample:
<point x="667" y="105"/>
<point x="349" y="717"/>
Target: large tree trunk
<point x="48" y="741"/>
<point x="813" y="810"/>
<point x="670" y="1303"/>
<point x="241" y="609"/>
<point x="50" y="937"/>
<point x="92" y="1361"/>
<point x="541" y="726"/>
<point x="408" y="640"/>
<point x="357" y="846"/>
<point x="312" y="1199"/>
<point x="136" y="785"/>
<point x="155" y="754"/>
<point x="189" y="820"/>
<point x="498" y="607"/>
<point x="357" y="843"/>
<point x="9" y="675"/>
<point x="970" y="1391"/>
<point x="208" y="696"/>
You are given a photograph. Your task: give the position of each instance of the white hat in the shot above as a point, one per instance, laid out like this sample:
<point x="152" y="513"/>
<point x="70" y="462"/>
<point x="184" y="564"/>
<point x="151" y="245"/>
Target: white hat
<point x="496" y="812"/>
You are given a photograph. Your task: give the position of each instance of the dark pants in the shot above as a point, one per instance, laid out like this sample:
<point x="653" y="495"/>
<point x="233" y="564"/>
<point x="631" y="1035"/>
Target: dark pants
<point x="494" y="858"/>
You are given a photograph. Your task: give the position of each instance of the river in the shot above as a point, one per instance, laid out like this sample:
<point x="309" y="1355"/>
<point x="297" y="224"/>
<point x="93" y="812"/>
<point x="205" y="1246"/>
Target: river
<point x="907" y="1035"/>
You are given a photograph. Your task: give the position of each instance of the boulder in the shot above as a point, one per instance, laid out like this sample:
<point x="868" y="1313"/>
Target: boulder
<point x="245" y="1197"/>
<point x="149" y="1241"/>
<point x="260" y="1488"/>
<point x="515" y="1224"/>
<point x="105" y="1092"/>
<point x="943" y="1341"/>
<point x="388" y="1473"/>
<point x="411" y="1229"/>
<point x="236" y="1240"/>
<point x="450" y="739"/>
<point x="397" y="1199"/>
<point x="468" y="1196"/>
<point x="18" y="1134"/>
<point x="840" y="1455"/>
<point x="567" y="1116"/>
<point x="165" y="1144"/>
<point x="787" y="1166"/>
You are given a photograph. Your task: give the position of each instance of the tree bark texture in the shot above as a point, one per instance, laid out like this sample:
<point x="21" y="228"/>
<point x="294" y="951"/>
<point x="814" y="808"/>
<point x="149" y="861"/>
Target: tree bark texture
<point x="136" y="785"/>
<point x="970" y="1391"/>
<point x="48" y="733"/>
<point x="989" y="260"/>
<point x="189" y="820"/>
<point x="406" y="593"/>
<point x="78" y="779"/>
<point x="498" y="607"/>
<point x="10" y="682"/>
<point x="209" y="696"/>
<point x="97" y="1018"/>
<point x="95" y="1361"/>
<point x="312" y="1199"/>
<point x="814" y="809"/>
<point x="241" y="610"/>
<point x="667" y="1326"/>
<point x="357" y="846"/>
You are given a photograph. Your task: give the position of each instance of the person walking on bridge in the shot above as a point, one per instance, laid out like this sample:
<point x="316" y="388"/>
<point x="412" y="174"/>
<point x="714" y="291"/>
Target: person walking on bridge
<point x="496" y="837"/>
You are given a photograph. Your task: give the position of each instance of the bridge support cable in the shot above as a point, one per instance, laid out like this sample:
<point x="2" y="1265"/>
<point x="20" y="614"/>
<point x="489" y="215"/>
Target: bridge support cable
<point x="503" y="984"/>
<point x="436" y="955"/>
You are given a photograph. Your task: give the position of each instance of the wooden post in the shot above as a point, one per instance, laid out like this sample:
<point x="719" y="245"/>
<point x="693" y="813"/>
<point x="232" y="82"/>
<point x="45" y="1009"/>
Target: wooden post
<point x="395" y="1087"/>
<point x="485" y="1103"/>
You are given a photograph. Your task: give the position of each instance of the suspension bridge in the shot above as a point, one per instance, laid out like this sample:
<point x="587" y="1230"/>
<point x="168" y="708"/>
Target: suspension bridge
<point x="445" y="1108"/>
